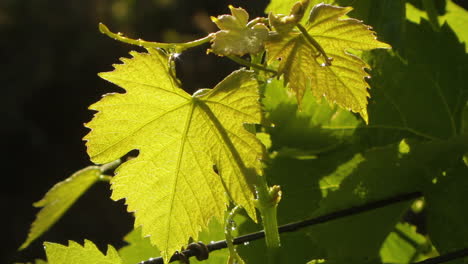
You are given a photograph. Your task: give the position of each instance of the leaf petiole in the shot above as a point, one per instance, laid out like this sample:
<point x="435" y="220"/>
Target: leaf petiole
<point x="176" y="47"/>
<point x="105" y="178"/>
<point x="247" y="63"/>
<point x="314" y="43"/>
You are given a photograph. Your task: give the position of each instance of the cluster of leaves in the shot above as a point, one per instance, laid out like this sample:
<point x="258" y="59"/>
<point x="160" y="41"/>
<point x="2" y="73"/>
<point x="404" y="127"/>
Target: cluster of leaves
<point x="199" y="153"/>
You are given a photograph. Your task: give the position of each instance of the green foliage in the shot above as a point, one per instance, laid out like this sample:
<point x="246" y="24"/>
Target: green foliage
<point x="59" y="198"/>
<point x="201" y="153"/>
<point x="336" y="75"/>
<point x="174" y="168"/>
<point x="74" y="253"/>
<point x="139" y="248"/>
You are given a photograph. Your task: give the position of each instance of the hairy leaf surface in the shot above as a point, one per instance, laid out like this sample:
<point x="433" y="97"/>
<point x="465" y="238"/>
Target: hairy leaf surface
<point x="74" y="253"/>
<point x="342" y="82"/>
<point x="172" y="186"/>
<point x="58" y="199"/>
<point x="236" y="36"/>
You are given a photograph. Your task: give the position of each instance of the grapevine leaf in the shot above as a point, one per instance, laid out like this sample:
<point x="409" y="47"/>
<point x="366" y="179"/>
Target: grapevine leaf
<point x="405" y="245"/>
<point x="373" y="178"/>
<point x="315" y="127"/>
<point x="343" y="179"/>
<point x="420" y="85"/>
<point x="342" y="82"/>
<point x="236" y="35"/>
<point x="386" y="17"/>
<point x="284" y="6"/>
<point x="171" y="186"/>
<point x="139" y="248"/>
<point x="58" y="199"/>
<point x="214" y="232"/>
<point x="74" y="253"/>
<point x="283" y="24"/>
<point x="447" y="210"/>
<point x="456" y="16"/>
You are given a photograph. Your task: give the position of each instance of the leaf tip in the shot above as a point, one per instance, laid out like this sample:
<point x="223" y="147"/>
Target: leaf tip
<point x="103" y="28"/>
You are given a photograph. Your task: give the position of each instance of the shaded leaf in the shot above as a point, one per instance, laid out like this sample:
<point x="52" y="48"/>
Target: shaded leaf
<point x="426" y="82"/>
<point x="456" y="16"/>
<point x="342" y="82"/>
<point x="236" y="35"/>
<point x="74" y="253"/>
<point x="58" y="199"/>
<point x="379" y="173"/>
<point x="314" y="127"/>
<point x="171" y="186"/>
<point x="447" y="210"/>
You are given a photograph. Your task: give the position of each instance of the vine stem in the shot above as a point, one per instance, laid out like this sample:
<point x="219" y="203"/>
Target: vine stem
<point x="229" y="225"/>
<point x="177" y="47"/>
<point x="315" y="44"/>
<point x="247" y="63"/>
<point x="292" y="227"/>
<point x="267" y="203"/>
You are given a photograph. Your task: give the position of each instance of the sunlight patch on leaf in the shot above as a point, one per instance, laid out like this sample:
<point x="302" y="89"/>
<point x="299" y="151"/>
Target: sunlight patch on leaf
<point x="171" y="186"/>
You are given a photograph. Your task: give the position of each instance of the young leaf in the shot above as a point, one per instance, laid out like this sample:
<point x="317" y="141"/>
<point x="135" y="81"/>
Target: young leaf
<point x="171" y="186"/>
<point x="58" y="199"/>
<point x="74" y="253"/>
<point x="330" y="71"/>
<point x="237" y="36"/>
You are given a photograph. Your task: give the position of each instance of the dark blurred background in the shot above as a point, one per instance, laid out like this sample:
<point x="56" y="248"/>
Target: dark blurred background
<point x="50" y="53"/>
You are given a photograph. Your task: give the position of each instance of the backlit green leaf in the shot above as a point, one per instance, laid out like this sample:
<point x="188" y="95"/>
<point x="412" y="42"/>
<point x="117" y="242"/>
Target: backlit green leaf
<point x="139" y="248"/>
<point x="171" y="186"/>
<point x="74" y="253"/>
<point x="342" y="82"/>
<point x="58" y="199"/>
<point x="236" y="36"/>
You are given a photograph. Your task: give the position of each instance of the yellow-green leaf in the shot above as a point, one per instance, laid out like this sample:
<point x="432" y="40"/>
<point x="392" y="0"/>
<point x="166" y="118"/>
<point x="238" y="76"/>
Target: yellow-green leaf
<point x="139" y="248"/>
<point x="303" y="64"/>
<point x="58" y="199"/>
<point x="237" y="36"/>
<point x="74" y="253"/>
<point x="172" y="186"/>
